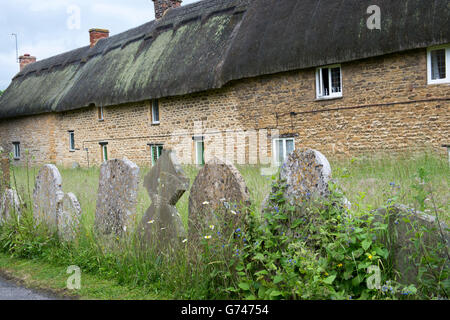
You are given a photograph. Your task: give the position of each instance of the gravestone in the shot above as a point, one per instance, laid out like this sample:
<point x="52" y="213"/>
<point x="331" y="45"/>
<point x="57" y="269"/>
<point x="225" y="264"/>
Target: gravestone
<point x="5" y="174"/>
<point x="403" y="223"/>
<point x="46" y="195"/>
<point x="9" y="205"/>
<point x="69" y="217"/>
<point x="165" y="183"/>
<point x="307" y="173"/>
<point x="117" y="197"/>
<point x="217" y="197"/>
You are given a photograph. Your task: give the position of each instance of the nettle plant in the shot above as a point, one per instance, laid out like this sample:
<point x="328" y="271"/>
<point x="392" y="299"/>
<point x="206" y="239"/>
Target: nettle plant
<point x="313" y="250"/>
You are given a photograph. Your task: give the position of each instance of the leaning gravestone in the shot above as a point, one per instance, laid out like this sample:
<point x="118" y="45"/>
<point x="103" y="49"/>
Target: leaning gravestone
<point x="46" y="195"/>
<point x="9" y="205"/>
<point x="307" y="173"/>
<point x="165" y="183"/>
<point x="69" y="217"/>
<point x="218" y="196"/>
<point x="4" y="174"/>
<point x="403" y="225"/>
<point x="117" y="197"/>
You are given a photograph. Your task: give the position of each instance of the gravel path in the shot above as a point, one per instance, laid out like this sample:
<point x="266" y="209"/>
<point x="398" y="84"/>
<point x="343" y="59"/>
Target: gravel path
<point x="11" y="291"/>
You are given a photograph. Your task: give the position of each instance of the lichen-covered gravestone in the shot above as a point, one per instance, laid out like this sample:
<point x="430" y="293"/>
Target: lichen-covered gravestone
<point x="307" y="173"/>
<point x="404" y="224"/>
<point x="4" y="174"/>
<point x="69" y="217"/>
<point x="218" y="196"/>
<point x="165" y="183"/>
<point x="117" y="197"/>
<point x="9" y="205"/>
<point x="46" y="195"/>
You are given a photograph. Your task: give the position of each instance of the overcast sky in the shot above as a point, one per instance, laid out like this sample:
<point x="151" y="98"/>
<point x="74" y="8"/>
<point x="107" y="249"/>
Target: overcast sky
<point x="49" y="27"/>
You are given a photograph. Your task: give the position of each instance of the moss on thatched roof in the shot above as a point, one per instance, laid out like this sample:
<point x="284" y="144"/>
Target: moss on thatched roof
<point x="205" y="45"/>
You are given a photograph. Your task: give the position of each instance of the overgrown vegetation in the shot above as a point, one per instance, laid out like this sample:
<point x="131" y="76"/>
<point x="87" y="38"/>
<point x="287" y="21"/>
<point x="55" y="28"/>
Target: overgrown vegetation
<point x="316" y="250"/>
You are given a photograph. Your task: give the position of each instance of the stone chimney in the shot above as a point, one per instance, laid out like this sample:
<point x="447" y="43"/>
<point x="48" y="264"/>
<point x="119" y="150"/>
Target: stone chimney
<point x="161" y="6"/>
<point x="97" y="34"/>
<point x="25" y="60"/>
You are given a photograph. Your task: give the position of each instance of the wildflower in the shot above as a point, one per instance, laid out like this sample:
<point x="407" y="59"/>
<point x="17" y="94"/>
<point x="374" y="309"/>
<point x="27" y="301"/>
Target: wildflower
<point x="245" y="240"/>
<point x="211" y="227"/>
<point x="238" y="230"/>
<point x="222" y="200"/>
<point x="277" y="209"/>
<point x="184" y="241"/>
<point x="207" y="237"/>
<point x="370" y="257"/>
<point x="151" y="221"/>
<point x="233" y="212"/>
<point x="392" y="184"/>
<point x="339" y="265"/>
<point x="205" y="203"/>
<point x="163" y="228"/>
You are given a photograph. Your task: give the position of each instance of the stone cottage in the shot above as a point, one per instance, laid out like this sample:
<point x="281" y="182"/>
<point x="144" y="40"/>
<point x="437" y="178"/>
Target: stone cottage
<point x="228" y="77"/>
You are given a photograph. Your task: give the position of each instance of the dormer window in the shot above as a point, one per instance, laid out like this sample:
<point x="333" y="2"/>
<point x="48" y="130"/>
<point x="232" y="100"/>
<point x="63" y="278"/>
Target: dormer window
<point x="155" y="111"/>
<point x="329" y="82"/>
<point x="438" y="65"/>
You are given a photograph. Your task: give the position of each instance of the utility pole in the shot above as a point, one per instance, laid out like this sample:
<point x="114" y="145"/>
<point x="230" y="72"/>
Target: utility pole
<point x="17" y="48"/>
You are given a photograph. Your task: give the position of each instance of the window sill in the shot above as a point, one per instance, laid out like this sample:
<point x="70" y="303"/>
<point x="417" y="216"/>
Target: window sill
<point x="72" y="150"/>
<point x="438" y="82"/>
<point x="155" y="123"/>
<point x="101" y="120"/>
<point x="329" y="98"/>
<point x="17" y="159"/>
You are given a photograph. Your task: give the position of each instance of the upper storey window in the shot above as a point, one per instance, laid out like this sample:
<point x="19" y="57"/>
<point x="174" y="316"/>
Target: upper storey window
<point x="155" y="111"/>
<point x="438" y="65"/>
<point x="329" y="82"/>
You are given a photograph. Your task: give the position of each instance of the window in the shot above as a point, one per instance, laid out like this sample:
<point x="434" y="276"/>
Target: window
<point x="329" y="82"/>
<point x="16" y="150"/>
<point x="155" y="112"/>
<point x="104" y="151"/>
<point x="282" y="147"/>
<point x="199" y="150"/>
<point x="156" y="150"/>
<point x="438" y="65"/>
<point x="100" y="113"/>
<point x="71" y="141"/>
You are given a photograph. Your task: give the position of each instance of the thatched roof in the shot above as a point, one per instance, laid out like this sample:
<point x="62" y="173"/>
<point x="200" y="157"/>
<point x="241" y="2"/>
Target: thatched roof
<point x="205" y="45"/>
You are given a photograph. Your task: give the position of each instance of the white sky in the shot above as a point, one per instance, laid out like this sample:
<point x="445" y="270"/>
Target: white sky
<point x="44" y="26"/>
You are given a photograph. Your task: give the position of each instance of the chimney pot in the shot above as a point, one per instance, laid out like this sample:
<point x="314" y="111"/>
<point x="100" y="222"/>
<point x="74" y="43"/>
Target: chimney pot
<point x="161" y="6"/>
<point x="96" y="34"/>
<point x="25" y="60"/>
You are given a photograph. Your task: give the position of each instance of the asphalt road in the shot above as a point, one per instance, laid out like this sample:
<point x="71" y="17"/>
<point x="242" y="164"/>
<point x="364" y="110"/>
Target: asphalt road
<point x="11" y="291"/>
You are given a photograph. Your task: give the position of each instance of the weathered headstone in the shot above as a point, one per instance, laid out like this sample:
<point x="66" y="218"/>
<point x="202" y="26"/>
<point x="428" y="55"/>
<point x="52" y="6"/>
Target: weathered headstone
<point x="69" y="217"/>
<point x="307" y="173"/>
<point x="5" y="174"/>
<point x="9" y="205"/>
<point x="217" y="196"/>
<point x="403" y="225"/>
<point x="46" y="195"/>
<point x="117" y="197"/>
<point x="165" y="183"/>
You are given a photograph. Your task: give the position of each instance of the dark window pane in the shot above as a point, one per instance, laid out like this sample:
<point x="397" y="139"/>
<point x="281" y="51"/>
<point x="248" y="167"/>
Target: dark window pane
<point x="325" y="82"/>
<point x="438" y="64"/>
<point x="336" y="80"/>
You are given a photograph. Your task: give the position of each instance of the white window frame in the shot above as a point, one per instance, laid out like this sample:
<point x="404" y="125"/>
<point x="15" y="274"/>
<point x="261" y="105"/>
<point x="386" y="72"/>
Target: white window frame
<point x="104" y="151"/>
<point x="153" y="148"/>
<point x="197" y="160"/>
<point x="319" y="81"/>
<point x="447" y="64"/>
<point x="16" y="150"/>
<point x="155" y="105"/>
<point x="71" y="134"/>
<point x="274" y="148"/>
